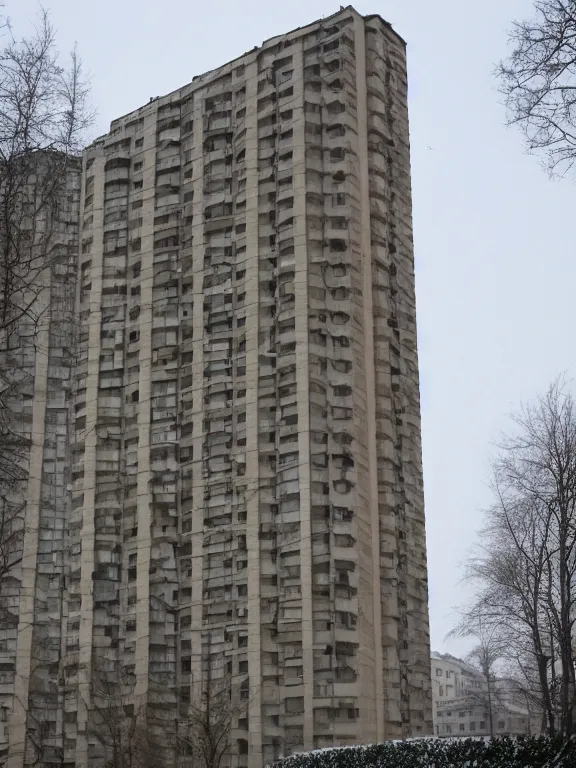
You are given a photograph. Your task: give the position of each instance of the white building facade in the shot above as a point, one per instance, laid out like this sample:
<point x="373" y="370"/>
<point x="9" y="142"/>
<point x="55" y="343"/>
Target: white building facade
<point x="462" y="706"/>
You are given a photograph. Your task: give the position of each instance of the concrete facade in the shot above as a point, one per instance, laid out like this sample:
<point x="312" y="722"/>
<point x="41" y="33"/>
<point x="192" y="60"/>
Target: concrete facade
<point x="39" y="352"/>
<point x="246" y="494"/>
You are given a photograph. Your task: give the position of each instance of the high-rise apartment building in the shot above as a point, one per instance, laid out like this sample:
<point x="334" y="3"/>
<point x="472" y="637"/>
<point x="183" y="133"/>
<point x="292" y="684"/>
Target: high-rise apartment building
<point x="245" y="499"/>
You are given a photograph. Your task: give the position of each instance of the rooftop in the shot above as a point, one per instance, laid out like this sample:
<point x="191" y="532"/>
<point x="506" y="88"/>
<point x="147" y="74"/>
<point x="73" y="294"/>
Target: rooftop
<point x="199" y="78"/>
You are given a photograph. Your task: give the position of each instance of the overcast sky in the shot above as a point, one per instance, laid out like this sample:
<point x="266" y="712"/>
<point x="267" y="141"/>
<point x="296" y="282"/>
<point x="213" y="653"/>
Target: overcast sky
<point x="495" y="263"/>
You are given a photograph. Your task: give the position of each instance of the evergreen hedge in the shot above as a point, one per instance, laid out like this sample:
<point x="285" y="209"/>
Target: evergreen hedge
<point x="524" y="752"/>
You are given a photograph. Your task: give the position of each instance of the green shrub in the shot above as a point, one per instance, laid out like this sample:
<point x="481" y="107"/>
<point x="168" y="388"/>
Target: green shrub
<point x="524" y="752"/>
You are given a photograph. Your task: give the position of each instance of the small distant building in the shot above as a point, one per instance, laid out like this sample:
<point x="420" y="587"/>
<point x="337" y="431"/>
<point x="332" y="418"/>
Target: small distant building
<point x="453" y="679"/>
<point x="464" y="717"/>
<point x="462" y="707"/>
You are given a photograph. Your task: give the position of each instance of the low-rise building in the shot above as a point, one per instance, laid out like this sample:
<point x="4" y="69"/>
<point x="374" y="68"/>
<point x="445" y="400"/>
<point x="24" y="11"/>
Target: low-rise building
<point x="452" y="679"/>
<point x="466" y="717"/>
<point x="463" y="705"/>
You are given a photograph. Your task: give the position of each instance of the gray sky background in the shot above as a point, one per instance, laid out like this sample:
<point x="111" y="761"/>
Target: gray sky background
<point x="495" y="263"/>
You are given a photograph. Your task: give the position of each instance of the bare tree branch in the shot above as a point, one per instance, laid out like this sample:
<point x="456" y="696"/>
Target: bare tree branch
<point x="538" y="81"/>
<point x="204" y="731"/>
<point x="525" y="569"/>
<point x="44" y="115"/>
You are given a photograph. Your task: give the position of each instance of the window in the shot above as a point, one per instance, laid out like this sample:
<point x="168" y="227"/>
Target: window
<point x="501" y="724"/>
<point x="242" y="744"/>
<point x="462" y="726"/>
<point x="482" y="725"/>
<point x="294" y="704"/>
<point x="139" y="142"/>
<point x="332" y="46"/>
<point x="461" y="714"/>
<point x="138" y="184"/>
<point x="441" y="690"/>
<point x="138" y="166"/>
<point x="472" y="726"/>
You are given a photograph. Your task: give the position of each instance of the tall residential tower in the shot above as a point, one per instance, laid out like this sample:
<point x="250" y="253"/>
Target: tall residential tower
<point x="246" y="500"/>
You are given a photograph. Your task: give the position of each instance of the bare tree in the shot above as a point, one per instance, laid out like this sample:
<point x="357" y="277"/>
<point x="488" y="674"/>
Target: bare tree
<point x="205" y="729"/>
<point x="120" y="721"/>
<point x="538" y="81"/>
<point x="13" y="444"/>
<point x="484" y="656"/>
<point x="131" y="734"/>
<point x="43" y="118"/>
<point x="526" y="567"/>
<point x="44" y="114"/>
<point x="126" y="744"/>
<point x="11" y="538"/>
<point x="11" y="532"/>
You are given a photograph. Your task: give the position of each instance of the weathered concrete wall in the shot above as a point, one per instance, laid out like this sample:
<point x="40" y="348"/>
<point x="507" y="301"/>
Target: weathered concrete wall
<point x="32" y="643"/>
